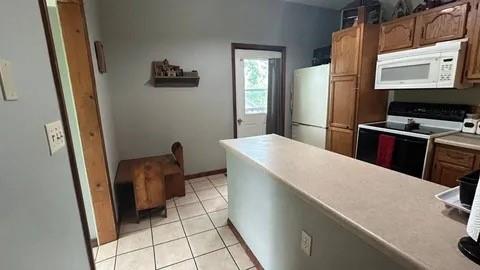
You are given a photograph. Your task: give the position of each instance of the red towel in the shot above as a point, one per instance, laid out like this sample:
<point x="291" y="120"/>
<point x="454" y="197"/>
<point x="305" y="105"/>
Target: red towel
<point x="386" y="145"/>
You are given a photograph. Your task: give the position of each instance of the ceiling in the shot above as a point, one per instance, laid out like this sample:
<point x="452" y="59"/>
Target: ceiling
<point x="333" y="4"/>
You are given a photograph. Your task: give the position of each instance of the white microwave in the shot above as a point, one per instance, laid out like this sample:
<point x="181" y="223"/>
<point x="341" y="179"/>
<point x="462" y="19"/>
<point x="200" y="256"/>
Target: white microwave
<point x="438" y="66"/>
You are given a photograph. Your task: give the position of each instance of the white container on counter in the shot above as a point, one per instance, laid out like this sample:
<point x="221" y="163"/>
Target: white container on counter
<point x="470" y="123"/>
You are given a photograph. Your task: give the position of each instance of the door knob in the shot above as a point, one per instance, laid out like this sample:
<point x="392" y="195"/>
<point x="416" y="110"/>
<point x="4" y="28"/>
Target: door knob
<point x="239" y="121"/>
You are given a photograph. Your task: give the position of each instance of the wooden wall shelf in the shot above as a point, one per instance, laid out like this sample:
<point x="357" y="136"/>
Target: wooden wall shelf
<point x="190" y="79"/>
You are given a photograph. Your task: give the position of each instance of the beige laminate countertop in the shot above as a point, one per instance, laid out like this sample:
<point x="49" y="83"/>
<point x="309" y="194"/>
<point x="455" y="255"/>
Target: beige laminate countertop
<point x="463" y="140"/>
<point x="396" y="213"/>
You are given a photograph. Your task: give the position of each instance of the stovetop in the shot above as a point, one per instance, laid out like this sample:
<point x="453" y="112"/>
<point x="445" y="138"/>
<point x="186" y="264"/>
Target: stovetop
<point x="418" y="128"/>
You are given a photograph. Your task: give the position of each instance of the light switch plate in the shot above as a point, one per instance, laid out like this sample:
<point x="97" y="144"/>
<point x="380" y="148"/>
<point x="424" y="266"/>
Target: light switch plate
<point x="55" y="136"/>
<point x="6" y="81"/>
<point x="306" y="243"/>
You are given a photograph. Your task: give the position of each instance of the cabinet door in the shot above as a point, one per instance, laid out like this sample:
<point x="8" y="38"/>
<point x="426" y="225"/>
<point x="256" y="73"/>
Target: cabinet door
<point x="443" y="24"/>
<point x="397" y="34"/>
<point x="341" y="141"/>
<point x="345" y="51"/>
<point x="343" y="92"/>
<point x="473" y="56"/>
<point x="447" y="174"/>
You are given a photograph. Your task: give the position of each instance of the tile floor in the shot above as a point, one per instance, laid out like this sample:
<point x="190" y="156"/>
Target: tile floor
<point x="193" y="236"/>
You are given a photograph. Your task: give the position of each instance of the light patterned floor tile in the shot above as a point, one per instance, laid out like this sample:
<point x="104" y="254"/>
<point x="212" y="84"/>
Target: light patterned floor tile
<point x="139" y="260"/>
<point x="240" y="257"/>
<point x="207" y="194"/>
<point x="187" y="199"/>
<point x="167" y="232"/>
<point x="223" y="190"/>
<point x="216" y="204"/>
<point x="186" y="265"/>
<point x="201" y="185"/>
<point x="134" y="240"/>
<point x="190" y="210"/>
<point x="197" y="224"/>
<point x="131" y="225"/>
<point x="106" y="251"/>
<point x="219" y="218"/>
<point x="216" y="260"/>
<point x="170" y="204"/>
<point x="220" y="175"/>
<point x="107" y="264"/>
<point x="219" y="181"/>
<point x="195" y="180"/>
<point x="205" y="242"/>
<point x="188" y="188"/>
<point x="172" y="252"/>
<point x="94" y="253"/>
<point x="158" y="219"/>
<point x="227" y="236"/>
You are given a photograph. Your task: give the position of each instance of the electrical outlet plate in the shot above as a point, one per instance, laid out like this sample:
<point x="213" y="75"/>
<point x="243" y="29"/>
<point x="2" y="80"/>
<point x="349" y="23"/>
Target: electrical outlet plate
<point x="6" y="81"/>
<point x="306" y="243"/>
<point x="55" y="136"/>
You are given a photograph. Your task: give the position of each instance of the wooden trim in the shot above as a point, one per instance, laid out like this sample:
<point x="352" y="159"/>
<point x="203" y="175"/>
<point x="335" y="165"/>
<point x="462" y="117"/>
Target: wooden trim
<point x="203" y="174"/>
<point x="94" y="242"/>
<point x="106" y="219"/>
<point x="249" y="252"/>
<point x="67" y="129"/>
<point x="257" y="47"/>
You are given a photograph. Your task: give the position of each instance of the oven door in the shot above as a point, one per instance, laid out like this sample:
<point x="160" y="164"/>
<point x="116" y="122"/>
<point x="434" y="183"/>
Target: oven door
<point x="408" y="73"/>
<point x="408" y="155"/>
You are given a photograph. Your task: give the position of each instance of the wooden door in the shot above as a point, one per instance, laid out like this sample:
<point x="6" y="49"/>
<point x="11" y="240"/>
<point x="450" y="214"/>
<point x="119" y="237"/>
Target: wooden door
<point x="343" y="93"/>
<point x="447" y="174"/>
<point x="77" y="47"/>
<point x="443" y="24"/>
<point x="397" y="34"/>
<point x="341" y="141"/>
<point x="473" y="56"/>
<point x="345" y="51"/>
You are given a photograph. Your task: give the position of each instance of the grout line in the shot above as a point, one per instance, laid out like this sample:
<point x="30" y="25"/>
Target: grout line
<point x="151" y="231"/>
<point x="188" y="242"/>
<point x="116" y="250"/>
<point x="218" y="233"/>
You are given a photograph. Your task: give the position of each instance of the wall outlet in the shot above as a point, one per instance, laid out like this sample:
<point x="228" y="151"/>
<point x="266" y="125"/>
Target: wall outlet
<point x="6" y="81"/>
<point x="55" y="136"/>
<point x="306" y="243"/>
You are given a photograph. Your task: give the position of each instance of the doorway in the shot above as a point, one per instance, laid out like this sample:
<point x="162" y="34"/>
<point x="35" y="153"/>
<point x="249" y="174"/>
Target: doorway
<point x="258" y="75"/>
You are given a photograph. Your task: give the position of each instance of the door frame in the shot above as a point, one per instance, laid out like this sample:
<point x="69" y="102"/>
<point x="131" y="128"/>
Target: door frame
<point x="257" y="47"/>
<point x="100" y="128"/>
<point x="66" y="127"/>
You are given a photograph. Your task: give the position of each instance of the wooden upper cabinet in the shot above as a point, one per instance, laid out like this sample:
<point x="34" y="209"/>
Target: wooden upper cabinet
<point x="473" y="56"/>
<point x="343" y="93"/>
<point x="345" y="51"/>
<point x="442" y="24"/>
<point x="397" y="34"/>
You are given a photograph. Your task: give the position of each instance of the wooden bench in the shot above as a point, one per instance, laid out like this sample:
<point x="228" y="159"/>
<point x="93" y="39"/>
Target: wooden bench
<point x="146" y="173"/>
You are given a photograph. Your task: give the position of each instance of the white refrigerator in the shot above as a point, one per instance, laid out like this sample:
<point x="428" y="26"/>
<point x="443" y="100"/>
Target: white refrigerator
<point x="310" y="105"/>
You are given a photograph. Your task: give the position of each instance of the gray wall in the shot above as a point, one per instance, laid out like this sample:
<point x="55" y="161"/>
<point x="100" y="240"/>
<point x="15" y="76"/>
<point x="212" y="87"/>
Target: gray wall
<point x="40" y="225"/>
<point x="270" y="217"/>
<point x="195" y="35"/>
<point x="104" y="91"/>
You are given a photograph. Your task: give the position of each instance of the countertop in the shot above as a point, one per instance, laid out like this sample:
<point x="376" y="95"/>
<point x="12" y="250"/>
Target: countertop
<point x="396" y="213"/>
<point x="469" y="141"/>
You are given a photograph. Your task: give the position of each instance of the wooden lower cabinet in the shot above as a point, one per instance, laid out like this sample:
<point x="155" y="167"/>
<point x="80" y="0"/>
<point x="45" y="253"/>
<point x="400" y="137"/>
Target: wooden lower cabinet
<point x="341" y="141"/>
<point x="451" y="163"/>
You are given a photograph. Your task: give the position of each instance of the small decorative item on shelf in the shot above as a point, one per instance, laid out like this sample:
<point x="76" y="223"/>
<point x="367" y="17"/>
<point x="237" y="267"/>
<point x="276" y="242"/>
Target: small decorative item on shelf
<point x="429" y="4"/>
<point x="400" y="9"/>
<point x="166" y="75"/>
<point x="350" y="13"/>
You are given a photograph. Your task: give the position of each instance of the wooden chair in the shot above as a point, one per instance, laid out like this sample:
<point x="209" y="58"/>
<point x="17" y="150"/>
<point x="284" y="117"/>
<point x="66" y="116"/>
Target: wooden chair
<point x="149" y="187"/>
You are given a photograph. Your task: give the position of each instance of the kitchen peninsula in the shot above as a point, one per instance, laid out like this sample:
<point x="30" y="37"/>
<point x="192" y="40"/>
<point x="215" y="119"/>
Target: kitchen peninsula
<point x="359" y="216"/>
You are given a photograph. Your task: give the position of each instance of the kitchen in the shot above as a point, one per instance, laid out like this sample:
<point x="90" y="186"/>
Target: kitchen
<point x="368" y="102"/>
